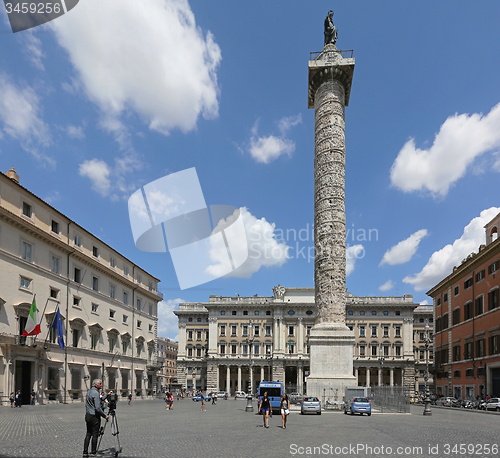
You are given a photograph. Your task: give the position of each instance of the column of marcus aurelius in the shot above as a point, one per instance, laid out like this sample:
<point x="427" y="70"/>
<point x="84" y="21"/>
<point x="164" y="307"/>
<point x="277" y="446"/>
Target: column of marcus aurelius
<point x="331" y="342"/>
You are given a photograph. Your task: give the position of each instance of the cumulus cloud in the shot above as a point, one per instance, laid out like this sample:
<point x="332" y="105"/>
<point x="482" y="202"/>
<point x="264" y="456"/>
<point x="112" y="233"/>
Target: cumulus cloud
<point x="167" y="321"/>
<point x="98" y="173"/>
<point x="404" y="250"/>
<point x="152" y="61"/>
<point x="268" y="149"/>
<point x="264" y="247"/>
<point x="20" y="117"/>
<point x="461" y="139"/>
<point x="353" y="253"/>
<point x="441" y="263"/>
<point x="388" y="285"/>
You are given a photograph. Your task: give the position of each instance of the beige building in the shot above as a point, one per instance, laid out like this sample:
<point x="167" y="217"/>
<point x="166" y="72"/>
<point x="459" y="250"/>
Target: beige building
<point x="223" y="341"/>
<point x="107" y="303"/>
<point x="423" y="315"/>
<point x="167" y="360"/>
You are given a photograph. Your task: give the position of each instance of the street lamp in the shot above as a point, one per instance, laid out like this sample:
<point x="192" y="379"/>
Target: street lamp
<point x="427" y="400"/>
<point x="249" y="341"/>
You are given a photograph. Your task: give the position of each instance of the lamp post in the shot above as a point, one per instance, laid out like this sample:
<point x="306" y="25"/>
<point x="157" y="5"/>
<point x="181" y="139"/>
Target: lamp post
<point x="249" y="341"/>
<point x="427" y="400"/>
<point x="381" y="360"/>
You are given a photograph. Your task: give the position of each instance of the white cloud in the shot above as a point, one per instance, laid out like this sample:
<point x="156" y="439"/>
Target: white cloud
<point x="167" y="321"/>
<point x="98" y="173"/>
<point x="404" y="250"/>
<point x="268" y="149"/>
<point x="20" y="114"/>
<point x="264" y="248"/>
<point x="75" y="132"/>
<point x="461" y="139"/>
<point x="424" y="302"/>
<point x="33" y="48"/>
<point x="153" y="61"/>
<point x="352" y="254"/>
<point x="441" y="263"/>
<point x="388" y="285"/>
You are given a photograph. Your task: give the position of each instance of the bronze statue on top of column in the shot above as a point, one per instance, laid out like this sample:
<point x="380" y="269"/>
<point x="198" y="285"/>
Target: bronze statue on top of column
<point x="330" y="30"/>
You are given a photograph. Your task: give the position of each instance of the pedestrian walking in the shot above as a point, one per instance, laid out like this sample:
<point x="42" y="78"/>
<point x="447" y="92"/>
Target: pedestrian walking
<point x="93" y="414"/>
<point x="171" y="401"/>
<point x="264" y="408"/>
<point x="19" y="399"/>
<point x="214" y="399"/>
<point x="12" y="399"/>
<point x="32" y="398"/>
<point x="202" y="401"/>
<point x="285" y="410"/>
<point x="167" y="400"/>
<point x="129" y="398"/>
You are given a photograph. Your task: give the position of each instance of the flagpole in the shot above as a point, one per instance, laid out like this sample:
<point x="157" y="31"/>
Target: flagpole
<point x="41" y="318"/>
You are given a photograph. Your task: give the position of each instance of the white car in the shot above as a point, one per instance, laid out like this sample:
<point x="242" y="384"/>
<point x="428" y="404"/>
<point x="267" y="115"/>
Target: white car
<point x="240" y="395"/>
<point x="493" y="404"/>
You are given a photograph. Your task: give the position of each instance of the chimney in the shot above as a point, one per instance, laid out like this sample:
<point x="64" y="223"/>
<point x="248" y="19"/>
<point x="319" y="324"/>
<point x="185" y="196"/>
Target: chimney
<point x="13" y="175"/>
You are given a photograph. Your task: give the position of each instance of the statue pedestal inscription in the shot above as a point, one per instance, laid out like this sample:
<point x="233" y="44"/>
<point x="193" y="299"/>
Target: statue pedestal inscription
<point x="331" y="342"/>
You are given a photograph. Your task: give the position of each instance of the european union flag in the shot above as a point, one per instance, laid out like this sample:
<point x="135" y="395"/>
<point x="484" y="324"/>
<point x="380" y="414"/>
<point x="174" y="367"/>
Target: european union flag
<point x="57" y="324"/>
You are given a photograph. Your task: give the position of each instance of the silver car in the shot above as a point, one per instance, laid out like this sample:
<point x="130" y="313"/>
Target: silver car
<point x="493" y="404"/>
<point x="310" y="404"/>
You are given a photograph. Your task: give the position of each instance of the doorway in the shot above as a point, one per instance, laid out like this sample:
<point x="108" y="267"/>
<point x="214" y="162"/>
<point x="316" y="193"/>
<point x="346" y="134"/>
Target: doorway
<point x="23" y="380"/>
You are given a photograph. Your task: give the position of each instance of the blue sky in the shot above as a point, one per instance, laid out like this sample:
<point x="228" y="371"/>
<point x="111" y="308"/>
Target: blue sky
<point x="117" y="93"/>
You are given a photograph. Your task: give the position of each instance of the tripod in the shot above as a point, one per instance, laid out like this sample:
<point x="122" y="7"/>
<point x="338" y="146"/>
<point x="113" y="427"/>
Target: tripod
<point x="114" y="432"/>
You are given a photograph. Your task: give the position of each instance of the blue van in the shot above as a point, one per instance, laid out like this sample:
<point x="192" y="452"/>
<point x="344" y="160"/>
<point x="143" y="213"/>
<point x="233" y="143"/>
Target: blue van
<point x="274" y="392"/>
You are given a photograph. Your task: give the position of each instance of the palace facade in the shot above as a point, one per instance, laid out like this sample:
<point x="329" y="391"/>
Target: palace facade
<point x="232" y="343"/>
<point x="108" y="306"/>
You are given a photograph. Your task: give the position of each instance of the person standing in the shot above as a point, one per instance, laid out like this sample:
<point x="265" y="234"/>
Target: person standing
<point x="19" y="399"/>
<point x="93" y="416"/>
<point x="171" y="401"/>
<point x="202" y="401"/>
<point x="214" y="399"/>
<point x="12" y="399"/>
<point x="285" y="410"/>
<point x="264" y="408"/>
<point x="129" y="398"/>
<point x="33" y="397"/>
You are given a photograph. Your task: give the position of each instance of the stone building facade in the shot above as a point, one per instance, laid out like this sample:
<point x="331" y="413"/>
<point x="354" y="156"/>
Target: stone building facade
<point x="224" y="340"/>
<point x="108" y="306"/>
<point x="422" y="316"/>
<point x="467" y="323"/>
<point x="167" y="361"/>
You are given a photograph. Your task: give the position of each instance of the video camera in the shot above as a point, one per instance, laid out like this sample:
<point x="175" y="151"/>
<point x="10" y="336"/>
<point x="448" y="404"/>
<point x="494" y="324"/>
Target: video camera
<point x="112" y="398"/>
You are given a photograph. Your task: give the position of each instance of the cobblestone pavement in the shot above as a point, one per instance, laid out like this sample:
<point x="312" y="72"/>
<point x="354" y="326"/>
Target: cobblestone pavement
<point x="225" y="430"/>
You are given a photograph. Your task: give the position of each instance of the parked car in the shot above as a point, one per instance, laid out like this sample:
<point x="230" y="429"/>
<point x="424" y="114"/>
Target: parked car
<point x="240" y="395"/>
<point x="222" y="394"/>
<point x="358" y="405"/>
<point x="198" y="397"/>
<point x="310" y="404"/>
<point x="448" y="402"/>
<point x="294" y="398"/>
<point x="493" y="404"/>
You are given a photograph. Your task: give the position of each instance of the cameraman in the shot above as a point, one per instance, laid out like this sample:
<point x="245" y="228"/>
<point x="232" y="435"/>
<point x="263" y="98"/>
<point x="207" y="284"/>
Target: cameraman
<point x="93" y="416"/>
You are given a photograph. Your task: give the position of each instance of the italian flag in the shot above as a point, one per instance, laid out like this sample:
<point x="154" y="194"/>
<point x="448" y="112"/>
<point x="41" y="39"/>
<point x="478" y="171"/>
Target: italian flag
<point x="33" y="324"/>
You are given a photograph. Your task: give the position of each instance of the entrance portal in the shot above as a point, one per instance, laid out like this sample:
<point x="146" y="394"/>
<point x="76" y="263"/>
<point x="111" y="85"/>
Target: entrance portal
<point x="23" y="379"/>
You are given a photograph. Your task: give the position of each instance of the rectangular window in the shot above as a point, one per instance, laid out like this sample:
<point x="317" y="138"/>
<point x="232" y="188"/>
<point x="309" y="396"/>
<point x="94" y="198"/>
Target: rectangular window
<point x="480" y="348"/>
<point x="139" y="324"/>
<point x="223" y="331"/>
<point x="95" y="283"/>
<point x="78" y="241"/>
<point x="445" y="297"/>
<point x="456" y="316"/>
<point x="76" y="337"/>
<point x="190" y="335"/>
<point x="268" y="349"/>
<point x="256" y="331"/>
<point x="374" y="350"/>
<point x="95" y="252"/>
<point x="397" y="331"/>
<point x="468" y="354"/>
<point x="233" y="331"/>
<point x="245" y="349"/>
<point x="445" y="321"/>
<point x="268" y="330"/>
<point x="479" y="305"/>
<point x="150" y="286"/>
<point x="374" y="312"/>
<point x="150" y="309"/>
<point x="54" y="265"/>
<point x="468" y="311"/>
<point x="398" y="350"/>
<point x="125" y="298"/>
<point x="125" y="271"/>
<point x="374" y="331"/>
<point x="361" y="331"/>
<point x="150" y="328"/>
<point x="112" y="262"/>
<point x="480" y="276"/>
<point x="94" y="340"/>
<point x="493" y="346"/>
<point x="27" y="249"/>
<point x="256" y="349"/>
<point x="190" y="353"/>
<point x="456" y="353"/>
<point x="138" y="349"/>
<point x="27" y="210"/>
<point x="112" y="314"/>
<point x="78" y="275"/>
<point x="493" y="297"/>
<point x="139" y="279"/>
<point x="291" y="330"/>
<point x="95" y="307"/>
<point x="76" y="301"/>
<point x="54" y="293"/>
<point x="456" y="291"/>
<point x="55" y="227"/>
<point x="222" y="349"/>
<point x="386" y="350"/>
<point x="25" y="282"/>
<point x="233" y="349"/>
<point x="222" y="312"/>
<point x="125" y="318"/>
<point x="111" y="291"/>
<point x="468" y="283"/>
<point x="361" y="350"/>
<point x="138" y="304"/>
<point x="492" y="268"/>
<point x="386" y="331"/>
<point x="198" y="335"/>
